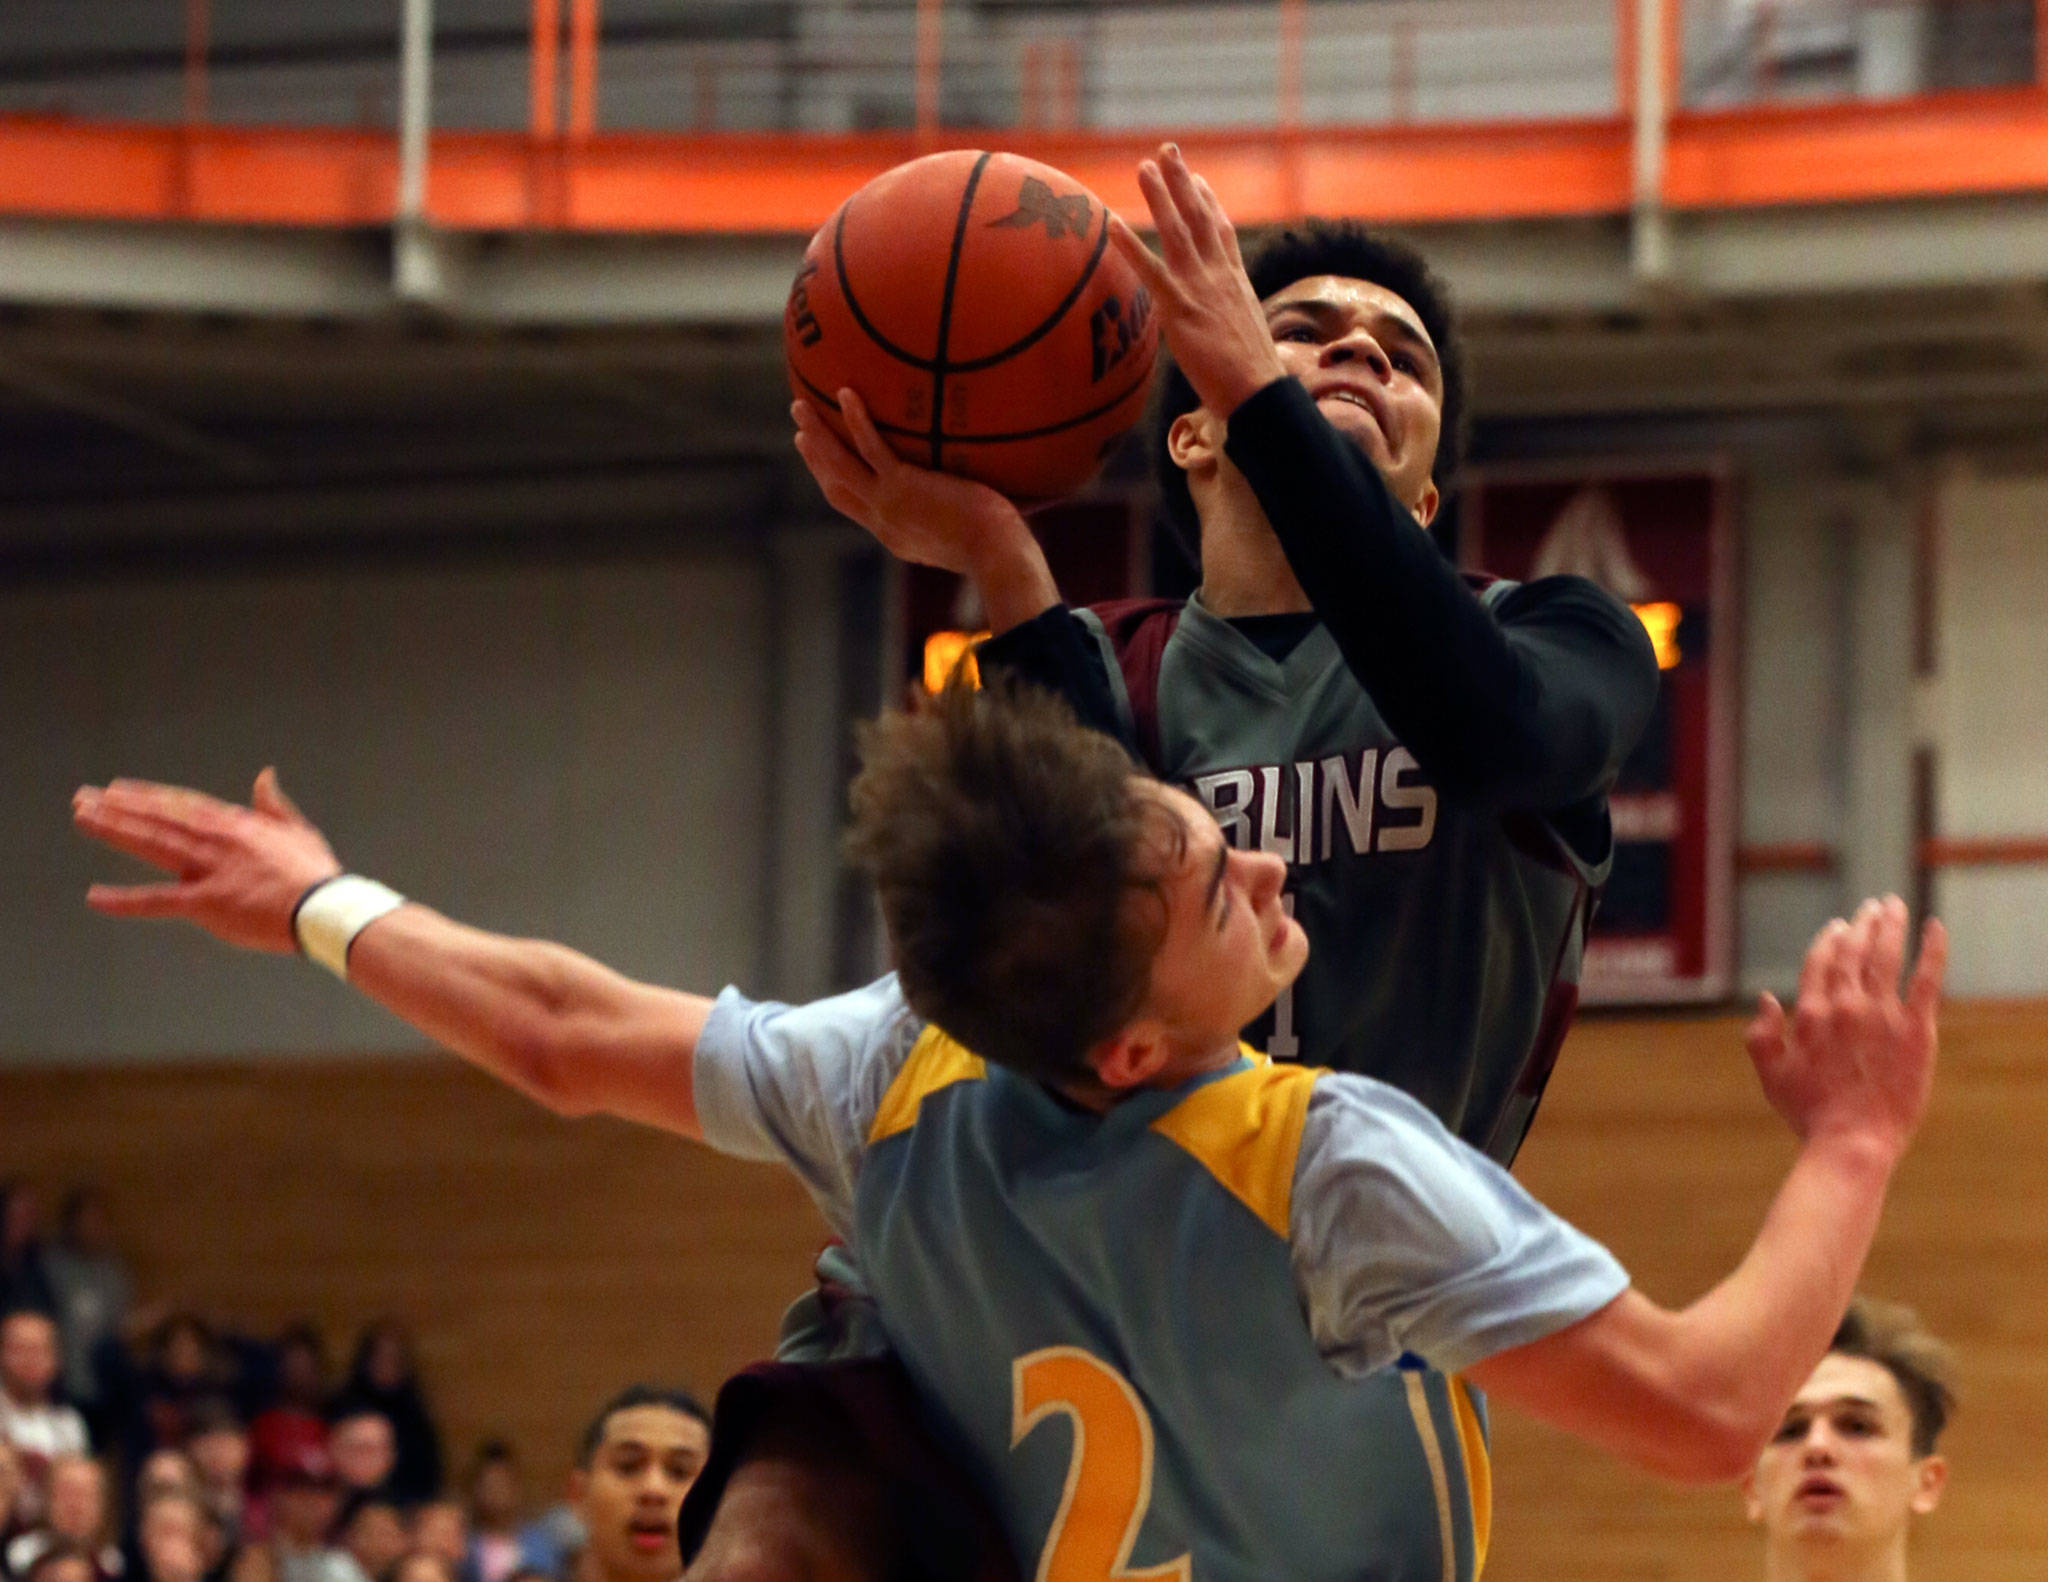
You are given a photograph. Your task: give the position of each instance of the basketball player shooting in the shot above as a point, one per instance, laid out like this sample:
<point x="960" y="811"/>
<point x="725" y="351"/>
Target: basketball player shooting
<point x="1098" y="1211"/>
<point x="1430" y="757"/>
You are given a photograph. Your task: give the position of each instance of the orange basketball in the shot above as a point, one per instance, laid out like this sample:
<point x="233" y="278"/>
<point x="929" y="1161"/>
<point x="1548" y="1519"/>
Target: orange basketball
<point x="975" y="302"/>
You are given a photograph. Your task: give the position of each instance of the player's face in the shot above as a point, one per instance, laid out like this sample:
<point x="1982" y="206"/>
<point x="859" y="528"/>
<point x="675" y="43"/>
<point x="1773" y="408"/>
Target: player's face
<point x="629" y="1494"/>
<point x="1840" y="1473"/>
<point x="1229" y="946"/>
<point x="1363" y="354"/>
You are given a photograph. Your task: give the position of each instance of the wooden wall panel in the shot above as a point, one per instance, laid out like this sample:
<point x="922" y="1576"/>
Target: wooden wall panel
<point x="543" y="1262"/>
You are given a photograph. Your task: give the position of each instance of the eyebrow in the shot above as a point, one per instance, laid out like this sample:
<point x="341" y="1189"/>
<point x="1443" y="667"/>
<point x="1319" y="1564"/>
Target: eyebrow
<point x="1832" y="1402"/>
<point x="1324" y="309"/>
<point x="1216" y="877"/>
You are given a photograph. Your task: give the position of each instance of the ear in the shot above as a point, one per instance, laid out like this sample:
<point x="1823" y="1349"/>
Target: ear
<point x="1195" y="440"/>
<point x="1752" y="1507"/>
<point x="1131" y="1057"/>
<point x="1930" y="1478"/>
<point x="1427" y="503"/>
<point x="579" y="1486"/>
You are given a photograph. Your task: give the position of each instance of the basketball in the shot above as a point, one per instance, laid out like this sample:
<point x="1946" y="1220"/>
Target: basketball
<point x="976" y="304"/>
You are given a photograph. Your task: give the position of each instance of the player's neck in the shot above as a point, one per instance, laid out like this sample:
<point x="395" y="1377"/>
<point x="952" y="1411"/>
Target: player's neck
<point x="1244" y="569"/>
<point x="1842" y="1563"/>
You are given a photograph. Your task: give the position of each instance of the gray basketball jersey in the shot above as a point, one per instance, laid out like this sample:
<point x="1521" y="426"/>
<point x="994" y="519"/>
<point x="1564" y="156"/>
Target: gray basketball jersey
<point x="1444" y="940"/>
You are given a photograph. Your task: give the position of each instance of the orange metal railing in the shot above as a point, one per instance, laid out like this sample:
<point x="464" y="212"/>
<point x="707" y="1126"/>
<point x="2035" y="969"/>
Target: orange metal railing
<point x="1413" y="142"/>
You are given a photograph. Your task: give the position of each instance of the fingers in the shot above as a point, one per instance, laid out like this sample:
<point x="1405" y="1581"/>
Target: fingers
<point x="867" y="439"/>
<point x="267" y="796"/>
<point x="1765" y="1036"/>
<point x="1176" y="242"/>
<point x="1820" y="962"/>
<point x="843" y="477"/>
<point x="1923" y="995"/>
<point x="1887" y="949"/>
<point x="1226" y="233"/>
<point x="160" y="842"/>
<point x="141" y="900"/>
<point x="1150" y="271"/>
<point x="1182" y="186"/>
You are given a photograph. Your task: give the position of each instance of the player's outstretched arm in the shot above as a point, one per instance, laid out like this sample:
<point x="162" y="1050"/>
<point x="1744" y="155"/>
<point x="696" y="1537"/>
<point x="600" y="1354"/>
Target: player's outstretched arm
<point x="558" y="1026"/>
<point x="1695" y="1394"/>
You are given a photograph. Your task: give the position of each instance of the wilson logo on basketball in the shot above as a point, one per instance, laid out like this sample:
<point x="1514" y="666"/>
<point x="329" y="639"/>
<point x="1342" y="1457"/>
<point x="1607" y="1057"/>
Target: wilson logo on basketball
<point x="1115" y="329"/>
<point x="802" y="319"/>
<point x="1039" y="204"/>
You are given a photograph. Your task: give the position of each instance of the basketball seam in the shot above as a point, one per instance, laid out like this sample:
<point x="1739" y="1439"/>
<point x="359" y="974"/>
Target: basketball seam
<point x="1052" y="321"/>
<point x="974" y="365"/>
<point x="938" y="431"/>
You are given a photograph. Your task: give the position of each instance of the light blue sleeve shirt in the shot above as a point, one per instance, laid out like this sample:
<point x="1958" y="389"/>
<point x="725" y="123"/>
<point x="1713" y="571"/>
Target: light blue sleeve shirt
<point x="801" y="1084"/>
<point x="1406" y="1239"/>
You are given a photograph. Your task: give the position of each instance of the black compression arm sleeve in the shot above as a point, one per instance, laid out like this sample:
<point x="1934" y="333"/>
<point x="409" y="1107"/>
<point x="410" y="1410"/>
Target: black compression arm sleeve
<point x="1532" y="705"/>
<point x="1055" y="651"/>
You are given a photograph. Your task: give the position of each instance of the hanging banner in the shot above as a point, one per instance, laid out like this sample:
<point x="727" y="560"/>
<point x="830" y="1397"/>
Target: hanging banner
<point x="1658" y="539"/>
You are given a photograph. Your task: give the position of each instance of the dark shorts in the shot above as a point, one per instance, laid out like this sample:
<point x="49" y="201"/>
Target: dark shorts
<point x="941" y="1527"/>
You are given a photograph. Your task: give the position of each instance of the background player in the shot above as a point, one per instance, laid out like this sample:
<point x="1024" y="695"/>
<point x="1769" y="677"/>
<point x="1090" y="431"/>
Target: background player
<point x="1431" y="760"/>
<point x="1838" y="1488"/>
<point x="1149" y="942"/>
<point x="638" y="1458"/>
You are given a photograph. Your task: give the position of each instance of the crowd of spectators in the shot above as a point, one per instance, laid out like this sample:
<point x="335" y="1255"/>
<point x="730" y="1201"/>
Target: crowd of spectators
<point x="161" y="1447"/>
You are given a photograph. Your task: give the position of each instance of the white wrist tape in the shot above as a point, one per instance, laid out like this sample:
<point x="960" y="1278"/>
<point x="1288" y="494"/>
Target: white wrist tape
<point x="332" y="914"/>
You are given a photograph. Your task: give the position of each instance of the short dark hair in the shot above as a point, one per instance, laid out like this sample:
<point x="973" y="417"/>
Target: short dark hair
<point x="1346" y="249"/>
<point x="672" y="1397"/>
<point x="1006" y="841"/>
<point x="1892" y="1336"/>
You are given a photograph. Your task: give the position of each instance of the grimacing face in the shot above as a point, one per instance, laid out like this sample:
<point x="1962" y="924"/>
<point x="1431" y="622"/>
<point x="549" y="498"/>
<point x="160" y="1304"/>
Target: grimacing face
<point x="632" y="1488"/>
<point x="1840" y="1471"/>
<point x="1229" y="946"/>
<point x="1362" y="352"/>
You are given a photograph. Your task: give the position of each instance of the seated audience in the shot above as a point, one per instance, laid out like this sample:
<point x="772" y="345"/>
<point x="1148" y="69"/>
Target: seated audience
<point x="498" y="1543"/>
<point x="79" y="1513"/>
<point x="384" y="1378"/>
<point x="441" y="1528"/>
<point x="184" y="1362"/>
<point x="92" y="1291"/>
<point x="24" y="1280"/>
<point x="64" y="1562"/>
<point x="292" y="1422"/>
<point x="363" y="1449"/>
<point x="419" y="1565"/>
<point x="1854" y="1463"/>
<point x="175" y="1540"/>
<point x="371" y="1532"/>
<point x="303" y="1506"/>
<point x="218" y="1448"/>
<point x="637" y="1460"/>
<point x="31" y="1419"/>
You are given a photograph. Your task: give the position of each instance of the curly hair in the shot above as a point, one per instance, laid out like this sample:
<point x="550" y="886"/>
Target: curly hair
<point x="1322" y="247"/>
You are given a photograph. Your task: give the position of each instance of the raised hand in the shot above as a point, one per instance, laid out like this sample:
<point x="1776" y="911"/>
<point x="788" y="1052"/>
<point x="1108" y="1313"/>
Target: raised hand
<point x="238" y="871"/>
<point x="1855" y="1058"/>
<point x="1209" y="313"/>
<point x="928" y="518"/>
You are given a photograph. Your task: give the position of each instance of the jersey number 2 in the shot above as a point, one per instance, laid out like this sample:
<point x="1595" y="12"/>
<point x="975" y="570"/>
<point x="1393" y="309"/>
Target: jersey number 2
<point x="1109" y="1473"/>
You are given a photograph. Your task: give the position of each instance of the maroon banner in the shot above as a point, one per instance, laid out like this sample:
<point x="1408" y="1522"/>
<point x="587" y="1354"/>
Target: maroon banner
<point x="1657" y="538"/>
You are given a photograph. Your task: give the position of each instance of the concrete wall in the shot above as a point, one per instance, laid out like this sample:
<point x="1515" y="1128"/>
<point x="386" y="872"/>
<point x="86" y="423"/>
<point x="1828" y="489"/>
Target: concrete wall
<point x="1990" y="721"/>
<point x="582" y="751"/>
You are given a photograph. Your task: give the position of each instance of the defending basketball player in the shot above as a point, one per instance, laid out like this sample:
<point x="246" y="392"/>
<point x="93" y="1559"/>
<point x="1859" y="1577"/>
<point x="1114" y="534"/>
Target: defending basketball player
<point x="1104" y="1213"/>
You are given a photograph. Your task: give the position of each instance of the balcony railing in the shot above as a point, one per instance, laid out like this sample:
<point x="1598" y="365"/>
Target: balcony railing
<point x="568" y="67"/>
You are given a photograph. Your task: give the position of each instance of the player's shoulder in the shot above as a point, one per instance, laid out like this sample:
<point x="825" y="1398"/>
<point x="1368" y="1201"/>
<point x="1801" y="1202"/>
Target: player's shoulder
<point x="1244" y="1128"/>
